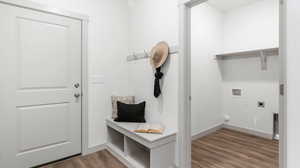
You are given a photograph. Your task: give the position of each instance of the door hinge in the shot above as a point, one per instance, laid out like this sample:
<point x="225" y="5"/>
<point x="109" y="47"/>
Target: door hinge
<point x="281" y="2"/>
<point x="281" y="89"/>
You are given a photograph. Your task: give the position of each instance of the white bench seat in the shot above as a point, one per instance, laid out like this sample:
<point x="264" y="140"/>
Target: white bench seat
<point x="139" y="150"/>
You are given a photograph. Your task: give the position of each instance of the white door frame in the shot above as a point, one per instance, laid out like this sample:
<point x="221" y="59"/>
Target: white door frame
<point x="184" y="89"/>
<point x="84" y="56"/>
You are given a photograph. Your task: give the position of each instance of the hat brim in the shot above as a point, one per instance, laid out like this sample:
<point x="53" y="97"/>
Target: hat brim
<point x="159" y="54"/>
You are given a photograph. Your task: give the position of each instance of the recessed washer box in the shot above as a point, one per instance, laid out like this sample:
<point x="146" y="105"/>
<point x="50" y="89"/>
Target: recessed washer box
<point x="237" y="92"/>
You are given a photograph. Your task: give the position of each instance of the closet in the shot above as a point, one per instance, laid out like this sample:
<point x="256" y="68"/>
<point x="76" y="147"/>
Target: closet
<point x="235" y="72"/>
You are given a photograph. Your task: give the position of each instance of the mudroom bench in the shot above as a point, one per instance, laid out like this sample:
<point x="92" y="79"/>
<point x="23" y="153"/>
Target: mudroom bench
<point x="137" y="150"/>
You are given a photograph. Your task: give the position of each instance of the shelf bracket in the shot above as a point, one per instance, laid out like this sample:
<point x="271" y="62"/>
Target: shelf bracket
<point x="264" y="61"/>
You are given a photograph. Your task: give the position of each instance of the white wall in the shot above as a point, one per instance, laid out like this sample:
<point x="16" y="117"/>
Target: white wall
<point x="207" y="38"/>
<point x="148" y="27"/>
<point x="251" y="27"/>
<point x="248" y="27"/>
<point x="152" y="21"/>
<point x="256" y="85"/>
<point x="108" y="47"/>
<point x="149" y="24"/>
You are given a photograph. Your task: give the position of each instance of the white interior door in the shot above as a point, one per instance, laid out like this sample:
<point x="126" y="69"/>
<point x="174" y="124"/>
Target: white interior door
<point x="40" y="91"/>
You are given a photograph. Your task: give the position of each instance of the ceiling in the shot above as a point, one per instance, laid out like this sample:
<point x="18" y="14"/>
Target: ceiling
<point x="226" y="5"/>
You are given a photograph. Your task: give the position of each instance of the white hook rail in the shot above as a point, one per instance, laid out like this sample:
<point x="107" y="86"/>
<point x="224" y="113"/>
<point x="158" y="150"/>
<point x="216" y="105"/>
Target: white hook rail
<point x="145" y="54"/>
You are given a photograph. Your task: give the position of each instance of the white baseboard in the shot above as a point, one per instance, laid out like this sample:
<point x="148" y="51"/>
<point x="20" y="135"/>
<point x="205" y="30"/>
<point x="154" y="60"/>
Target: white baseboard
<point x="106" y="147"/>
<point x="249" y="131"/>
<point x="95" y="149"/>
<point x="232" y="127"/>
<point x="207" y="131"/>
<point x="115" y="154"/>
<point x="119" y="157"/>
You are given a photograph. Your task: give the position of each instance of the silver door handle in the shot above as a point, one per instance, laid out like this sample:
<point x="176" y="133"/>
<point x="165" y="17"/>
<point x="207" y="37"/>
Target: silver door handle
<point x="77" y="95"/>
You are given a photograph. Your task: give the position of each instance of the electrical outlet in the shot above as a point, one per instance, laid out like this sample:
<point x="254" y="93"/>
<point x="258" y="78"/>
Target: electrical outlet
<point x="261" y="104"/>
<point x="237" y="92"/>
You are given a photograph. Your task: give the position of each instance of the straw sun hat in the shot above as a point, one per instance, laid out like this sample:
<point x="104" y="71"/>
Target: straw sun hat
<point x="159" y="54"/>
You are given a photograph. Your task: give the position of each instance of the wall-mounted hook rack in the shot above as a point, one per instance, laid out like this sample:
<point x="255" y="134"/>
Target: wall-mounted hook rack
<point x="145" y="54"/>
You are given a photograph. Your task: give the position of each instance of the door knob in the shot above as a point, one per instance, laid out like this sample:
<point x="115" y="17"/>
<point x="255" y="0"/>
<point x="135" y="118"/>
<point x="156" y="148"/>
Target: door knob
<point x="77" y="95"/>
<point x="77" y="85"/>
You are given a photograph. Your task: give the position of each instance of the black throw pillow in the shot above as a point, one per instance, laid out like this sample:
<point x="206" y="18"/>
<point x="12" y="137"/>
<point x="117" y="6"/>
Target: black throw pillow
<point x="131" y="112"/>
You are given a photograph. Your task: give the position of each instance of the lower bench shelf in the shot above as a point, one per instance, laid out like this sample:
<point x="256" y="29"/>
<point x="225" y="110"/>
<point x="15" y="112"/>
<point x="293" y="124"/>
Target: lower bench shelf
<point x="141" y="150"/>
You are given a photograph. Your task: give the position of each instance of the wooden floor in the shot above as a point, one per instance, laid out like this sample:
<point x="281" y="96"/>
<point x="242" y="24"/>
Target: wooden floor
<point x="222" y="149"/>
<point x="101" y="159"/>
<point x="231" y="149"/>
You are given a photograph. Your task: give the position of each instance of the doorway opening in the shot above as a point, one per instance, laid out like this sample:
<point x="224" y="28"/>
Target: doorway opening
<point x="233" y="93"/>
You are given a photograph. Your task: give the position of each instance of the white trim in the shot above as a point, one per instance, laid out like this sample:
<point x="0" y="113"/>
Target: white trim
<point x="44" y="8"/>
<point x="184" y="116"/>
<point x="207" y="131"/>
<point x="106" y="146"/>
<point x="84" y="67"/>
<point x="283" y="99"/>
<point x="95" y="149"/>
<point x="194" y="3"/>
<point x="234" y="128"/>
<point x="85" y="89"/>
<point x="249" y="131"/>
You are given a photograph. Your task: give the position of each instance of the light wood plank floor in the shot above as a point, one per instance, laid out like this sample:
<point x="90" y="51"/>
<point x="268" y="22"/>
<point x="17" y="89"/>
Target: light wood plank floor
<point x="222" y="149"/>
<point x="230" y="149"/>
<point x="102" y="159"/>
